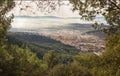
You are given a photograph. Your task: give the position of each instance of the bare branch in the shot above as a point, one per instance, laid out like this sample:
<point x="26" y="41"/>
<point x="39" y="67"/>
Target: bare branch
<point x="114" y="4"/>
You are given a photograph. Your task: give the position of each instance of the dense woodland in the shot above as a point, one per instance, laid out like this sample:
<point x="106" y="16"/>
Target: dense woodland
<point x="21" y="60"/>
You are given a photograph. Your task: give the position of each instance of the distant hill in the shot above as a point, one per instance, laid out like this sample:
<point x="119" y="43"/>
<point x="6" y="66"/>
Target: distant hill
<point x="43" y="17"/>
<point x="52" y="17"/>
<point x="72" y="17"/>
<point x="98" y="33"/>
<point x="40" y="44"/>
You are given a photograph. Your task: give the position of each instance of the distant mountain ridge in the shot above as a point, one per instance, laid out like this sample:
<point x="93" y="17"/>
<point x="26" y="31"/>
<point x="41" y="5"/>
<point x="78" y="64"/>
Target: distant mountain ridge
<point x="36" y="17"/>
<point x="53" y="17"/>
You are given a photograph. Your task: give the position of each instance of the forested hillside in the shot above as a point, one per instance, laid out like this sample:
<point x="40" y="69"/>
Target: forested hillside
<point x="39" y="44"/>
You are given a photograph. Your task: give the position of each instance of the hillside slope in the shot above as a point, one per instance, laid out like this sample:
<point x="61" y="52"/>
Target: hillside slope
<point x="40" y="44"/>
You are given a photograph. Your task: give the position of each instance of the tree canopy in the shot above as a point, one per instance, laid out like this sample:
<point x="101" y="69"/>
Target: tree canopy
<point x="110" y="9"/>
<point x="5" y="7"/>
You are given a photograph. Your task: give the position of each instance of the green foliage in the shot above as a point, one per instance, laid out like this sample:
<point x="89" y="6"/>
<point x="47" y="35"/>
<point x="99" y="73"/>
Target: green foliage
<point x="111" y="56"/>
<point x="89" y="60"/>
<point x="51" y="59"/>
<point x="5" y="6"/>
<point x="16" y="61"/>
<point x="73" y="69"/>
<point x="58" y="70"/>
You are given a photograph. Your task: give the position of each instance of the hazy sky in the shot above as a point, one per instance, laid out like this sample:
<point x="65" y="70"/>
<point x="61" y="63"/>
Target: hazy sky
<point x="63" y="11"/>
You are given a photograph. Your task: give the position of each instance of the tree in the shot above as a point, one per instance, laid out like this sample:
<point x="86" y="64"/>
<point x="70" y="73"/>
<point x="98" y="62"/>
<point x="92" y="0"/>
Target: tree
<point x="15" y="61"/>
<point x="5" y="7"/>
<point x="89" y="60"/>
<point x="110" y="9"/>
<point x="111" y="56"/>
<point x="51" y="59"/>
<point x="72" y="69"/>
<point x="58" y="70"/>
